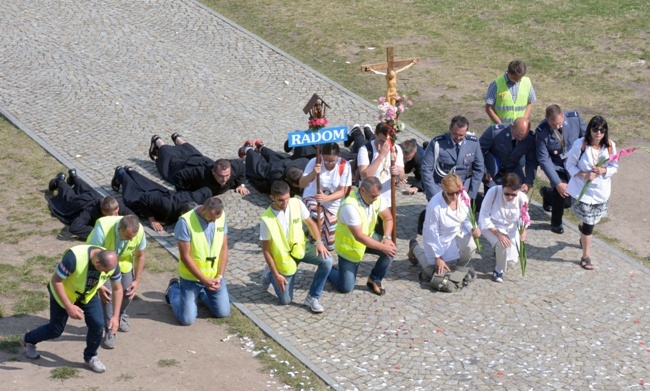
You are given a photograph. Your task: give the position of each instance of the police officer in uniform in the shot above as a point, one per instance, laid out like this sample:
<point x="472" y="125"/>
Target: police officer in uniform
<point x="457" y="152"/>
<point x="554" y="137"/>
<point x="454" y="151"/>
<point x="508" y="145"/>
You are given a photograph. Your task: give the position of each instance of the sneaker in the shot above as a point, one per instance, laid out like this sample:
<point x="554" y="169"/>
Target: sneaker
<point x="313" y="304"/>
<point x="172" y="282"/>
<point x="30" y="349"/>
<point x="410" y="254"/>
<point x="247" y="145"/>
<point x="96" y="365"/>
<point x="125" y="327"/>
<point x="497" y="277"/>
<point x="265" y="281"/>
<point x="109" y="341"/>
<point x="259" y="144"/>
<point x="367" y="132"/>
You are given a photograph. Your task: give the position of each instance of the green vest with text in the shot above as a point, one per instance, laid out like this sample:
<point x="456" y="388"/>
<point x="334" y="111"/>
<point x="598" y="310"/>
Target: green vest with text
<point x="205" y="257"/>
<point x="284" y="250"/>
<point x="345" y="244"/>
<point x="504" y="106"/>
<point x="75" y="283"/>
<point x="109" y="227"/>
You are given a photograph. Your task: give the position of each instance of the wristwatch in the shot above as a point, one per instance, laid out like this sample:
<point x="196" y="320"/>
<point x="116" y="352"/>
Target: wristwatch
<point x="388" y="237"/>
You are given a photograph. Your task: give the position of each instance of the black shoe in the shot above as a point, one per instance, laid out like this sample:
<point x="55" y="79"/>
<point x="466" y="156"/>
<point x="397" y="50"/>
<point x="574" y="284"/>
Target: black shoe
<point x="54" y="183"/>
<point x="410" y="254"/>
<point x="368" y="133"/>
<point x="72" y="176"/>
<point x="351" y="134"/>
<point x="558" y="229"/>
<point x="153" y="148"/>
<point x="175" y="136"/>
<point x="546" y="198"/>
<point x="115" y="183"/>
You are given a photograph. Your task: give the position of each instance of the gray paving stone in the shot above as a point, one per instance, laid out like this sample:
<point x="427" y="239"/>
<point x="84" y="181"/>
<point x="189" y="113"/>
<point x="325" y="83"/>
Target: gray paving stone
<point x="94" y="81"/>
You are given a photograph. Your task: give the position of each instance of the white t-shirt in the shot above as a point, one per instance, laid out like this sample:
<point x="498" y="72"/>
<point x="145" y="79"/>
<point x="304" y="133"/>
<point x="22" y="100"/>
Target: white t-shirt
<point x="383" y="172"/>
<point x="284" y="216"/>
<point x="349" y="216"/>
<point x="330" y="181"/>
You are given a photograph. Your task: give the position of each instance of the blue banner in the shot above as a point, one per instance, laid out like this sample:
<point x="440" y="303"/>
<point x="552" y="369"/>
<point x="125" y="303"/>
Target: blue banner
<point x="321" y="136"/>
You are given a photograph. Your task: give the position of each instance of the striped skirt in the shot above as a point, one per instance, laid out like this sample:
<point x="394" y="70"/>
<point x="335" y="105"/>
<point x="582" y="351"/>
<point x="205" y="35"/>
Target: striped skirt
<point x="329" y="221"/>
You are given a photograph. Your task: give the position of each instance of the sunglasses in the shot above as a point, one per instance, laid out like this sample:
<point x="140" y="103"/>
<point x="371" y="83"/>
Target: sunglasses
<point x="601" y="130"/>
<point x="509" y="194"/>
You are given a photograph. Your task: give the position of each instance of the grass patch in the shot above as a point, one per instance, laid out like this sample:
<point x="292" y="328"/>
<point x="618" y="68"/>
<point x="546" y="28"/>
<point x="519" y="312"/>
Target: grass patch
<point x="569" y="62"/>
<point x="125" y="377"/>
<point x="30" y="302"/>
<point x="273" y="357"/>
<point x="11" y="344"/>
<point x="64" y="373"/>
<point x="158" y="259"/>
<point x="169" y="362"/>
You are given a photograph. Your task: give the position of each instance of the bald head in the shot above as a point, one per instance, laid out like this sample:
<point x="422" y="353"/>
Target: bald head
<point x="520" y="128"/>
<point x="106" y="260"/>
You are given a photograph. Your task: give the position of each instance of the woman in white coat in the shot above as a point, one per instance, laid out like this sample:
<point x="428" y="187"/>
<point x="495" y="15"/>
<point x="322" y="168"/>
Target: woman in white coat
<point x="498" y="220"/>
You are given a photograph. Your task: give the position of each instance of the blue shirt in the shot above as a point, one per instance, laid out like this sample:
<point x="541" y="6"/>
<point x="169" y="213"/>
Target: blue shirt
<point x="182" y="230"/>
<point x="98" y="238"/>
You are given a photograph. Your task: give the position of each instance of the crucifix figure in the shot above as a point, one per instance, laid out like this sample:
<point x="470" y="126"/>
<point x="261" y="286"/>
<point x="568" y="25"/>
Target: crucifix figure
<point x="391" y="72"/>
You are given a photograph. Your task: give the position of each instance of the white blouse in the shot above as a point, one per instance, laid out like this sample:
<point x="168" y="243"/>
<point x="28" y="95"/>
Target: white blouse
<point x="497" y="212"/>
<point x="330" y="181"/>
<point x="441" y="226"/>
<point x="600" y="188"/>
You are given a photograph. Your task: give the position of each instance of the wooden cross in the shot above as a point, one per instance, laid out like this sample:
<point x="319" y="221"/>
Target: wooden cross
<point x="391" y="72"/>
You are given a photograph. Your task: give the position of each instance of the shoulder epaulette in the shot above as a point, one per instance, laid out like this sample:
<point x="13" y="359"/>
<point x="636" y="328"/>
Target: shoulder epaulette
<point x="571" y="114"/>
<point x="439" y="138"/>
<point x="471" y="137"/>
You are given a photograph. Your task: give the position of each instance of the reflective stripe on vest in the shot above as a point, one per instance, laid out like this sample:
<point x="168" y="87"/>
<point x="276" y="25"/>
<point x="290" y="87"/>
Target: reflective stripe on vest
<point x="345" y="244"/>
<point x="504" y="107"/>
<point x="205" y="257"/>
<point x="75" y="283"/>
<point x="109" y="227"/>
<point x="284" y="250"/>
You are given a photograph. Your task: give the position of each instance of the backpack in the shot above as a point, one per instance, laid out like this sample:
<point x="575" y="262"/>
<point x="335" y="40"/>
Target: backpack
<point x="453" y="281"/>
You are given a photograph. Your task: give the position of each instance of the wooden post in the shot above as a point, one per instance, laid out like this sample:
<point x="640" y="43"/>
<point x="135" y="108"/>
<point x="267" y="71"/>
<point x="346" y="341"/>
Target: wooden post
<point x="319" y="159"/>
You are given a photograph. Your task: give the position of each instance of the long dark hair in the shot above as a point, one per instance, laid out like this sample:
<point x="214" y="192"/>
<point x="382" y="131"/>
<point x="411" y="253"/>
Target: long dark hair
<point x="597" y="122"/>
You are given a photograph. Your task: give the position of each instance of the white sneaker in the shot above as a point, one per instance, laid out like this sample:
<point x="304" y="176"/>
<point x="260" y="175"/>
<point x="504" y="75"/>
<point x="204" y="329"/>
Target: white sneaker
<point x="30" y="350"/>
<point x="313" y="304"/>
<point x="265" y="281"/>
<point x="96" y="365"/>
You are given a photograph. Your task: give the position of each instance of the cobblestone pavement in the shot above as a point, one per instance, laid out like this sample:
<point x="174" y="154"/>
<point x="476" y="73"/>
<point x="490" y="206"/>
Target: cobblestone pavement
<point x="94" y="80"/>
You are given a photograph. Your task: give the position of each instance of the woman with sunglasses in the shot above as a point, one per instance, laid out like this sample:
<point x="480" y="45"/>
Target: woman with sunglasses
<point x="588" y="160"/>
<point x="447" y="234"/>
<point x="498" y="220"/>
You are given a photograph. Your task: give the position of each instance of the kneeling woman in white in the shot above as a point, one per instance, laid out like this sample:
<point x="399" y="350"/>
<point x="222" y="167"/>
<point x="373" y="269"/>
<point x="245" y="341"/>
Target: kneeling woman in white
<point x="498" y="220"/>
<point x="447" y="231"/>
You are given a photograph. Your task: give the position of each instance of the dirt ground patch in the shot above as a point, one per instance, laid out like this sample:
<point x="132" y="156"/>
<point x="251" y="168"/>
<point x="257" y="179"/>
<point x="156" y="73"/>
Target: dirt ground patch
<point x="26" y="231"/>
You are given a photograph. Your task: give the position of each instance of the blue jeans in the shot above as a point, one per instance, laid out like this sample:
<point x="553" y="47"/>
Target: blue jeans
<point x="184" y="296"/>
<point x="93" y="315"/>
<point x="317" y="284"/>
<point x="345" y="276"/>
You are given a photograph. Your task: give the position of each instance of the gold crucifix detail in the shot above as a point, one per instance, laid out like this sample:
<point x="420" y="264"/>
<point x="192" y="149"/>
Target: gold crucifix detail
<point x="391" y="72"/>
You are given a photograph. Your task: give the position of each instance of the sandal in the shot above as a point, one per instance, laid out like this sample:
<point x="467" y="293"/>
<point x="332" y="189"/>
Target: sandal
<point x="175" y="136"/>
<point x="585" y="263"/>
<point x="153" y="148"/>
